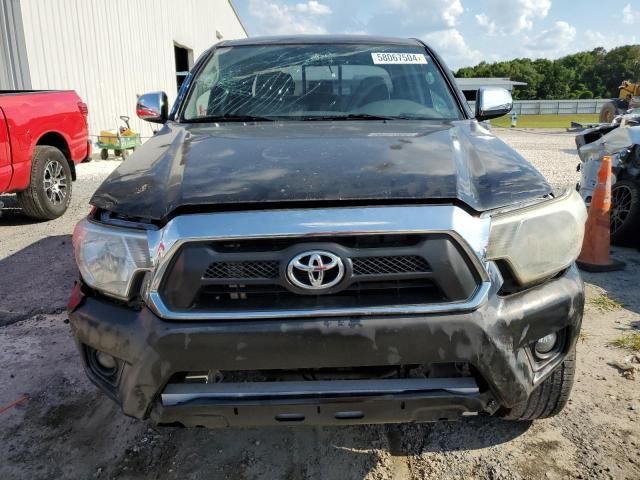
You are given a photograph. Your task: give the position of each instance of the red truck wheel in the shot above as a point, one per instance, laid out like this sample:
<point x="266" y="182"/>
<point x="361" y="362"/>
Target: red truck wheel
<point x="49" y="192"/>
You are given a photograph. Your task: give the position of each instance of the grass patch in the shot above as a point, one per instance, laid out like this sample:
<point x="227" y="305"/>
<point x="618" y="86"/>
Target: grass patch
<point x="629" y="342"/>
<point x="605" y="304"/>
<point x="545" y="121"/>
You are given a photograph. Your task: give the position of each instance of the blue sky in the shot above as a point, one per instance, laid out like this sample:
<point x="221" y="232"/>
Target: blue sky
<point x="464" y="32"/>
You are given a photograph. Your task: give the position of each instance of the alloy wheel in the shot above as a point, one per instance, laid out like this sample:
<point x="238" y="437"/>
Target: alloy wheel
<point x="621" y="199"/>
<point x="55" y="182"/>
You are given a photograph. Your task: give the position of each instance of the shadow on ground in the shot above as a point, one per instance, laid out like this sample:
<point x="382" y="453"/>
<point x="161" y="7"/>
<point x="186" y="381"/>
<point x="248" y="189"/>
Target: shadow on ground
<point x="469" y="434"/>
<point x="36" y="279"/>
<point x="11" y="213"/>
<point x="92" y="437"/>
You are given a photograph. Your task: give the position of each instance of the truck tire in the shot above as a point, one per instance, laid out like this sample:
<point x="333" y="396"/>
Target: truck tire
<point x="548" y="398"/>
<point x="49" y="191"/>
<point x="608" y="112"/>
<point x="625" y="213"/>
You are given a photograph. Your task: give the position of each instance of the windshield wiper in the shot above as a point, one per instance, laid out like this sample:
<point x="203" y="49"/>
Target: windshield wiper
<point x="416" y="116"/>
<point x="228" y="117"/>
<point x="350" y="116"/>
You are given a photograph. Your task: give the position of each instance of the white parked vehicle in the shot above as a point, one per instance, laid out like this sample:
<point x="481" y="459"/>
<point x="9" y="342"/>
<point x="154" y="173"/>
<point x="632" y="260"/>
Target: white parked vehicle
<point x="621" y="140"/>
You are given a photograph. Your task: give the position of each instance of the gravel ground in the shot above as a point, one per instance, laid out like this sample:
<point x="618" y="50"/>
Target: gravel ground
<point x="553" y="152"/>
<point x="67" y="429"/>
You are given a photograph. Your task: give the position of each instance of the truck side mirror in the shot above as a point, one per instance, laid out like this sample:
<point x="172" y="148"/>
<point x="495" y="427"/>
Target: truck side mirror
<point x="153" y="107"/>
<point x="492" y="102"/>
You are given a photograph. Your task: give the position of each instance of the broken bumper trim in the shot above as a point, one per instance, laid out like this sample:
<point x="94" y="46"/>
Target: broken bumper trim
<point x="180" y="393"/>
<point x="496" y="339"/>
<point x="422" y="406"/>
<point x="318" y="402"/>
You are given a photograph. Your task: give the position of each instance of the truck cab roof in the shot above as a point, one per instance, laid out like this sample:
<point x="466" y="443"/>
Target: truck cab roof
<point x="320" y="39"/>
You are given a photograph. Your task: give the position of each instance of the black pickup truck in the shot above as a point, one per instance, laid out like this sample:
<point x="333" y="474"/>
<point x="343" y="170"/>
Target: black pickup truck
<point x="322" y="232"/>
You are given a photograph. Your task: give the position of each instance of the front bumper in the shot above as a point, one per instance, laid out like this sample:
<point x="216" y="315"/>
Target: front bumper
<point x="496" y="339"/>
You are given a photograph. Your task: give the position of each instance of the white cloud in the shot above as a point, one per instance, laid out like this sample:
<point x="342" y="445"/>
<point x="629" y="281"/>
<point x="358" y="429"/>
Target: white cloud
<point x="630" y="16"/>
<point x="453" y="47"/>
<point x="512" y="16"/>
<point x="277" y="18"/>
<point x="451" y="12"/>
<point x="593" y="39"/>
<point x="431" y="13"/>
<point x="597" y="39"/>
<point x="557" y="40"/>
<point x="530" y="9"/>
<point x="314" y="8"/>
<point x="485" y="22"/>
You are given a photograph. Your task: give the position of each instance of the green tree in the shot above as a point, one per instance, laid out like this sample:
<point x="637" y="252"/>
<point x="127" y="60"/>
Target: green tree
<point x="556" y="79"/>
<point x="589" y="74"/>
<point x="622" y="63"/>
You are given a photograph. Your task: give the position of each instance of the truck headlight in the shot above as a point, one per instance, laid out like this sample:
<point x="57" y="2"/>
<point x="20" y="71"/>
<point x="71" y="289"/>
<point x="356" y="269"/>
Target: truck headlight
<point x="539" y="240"/>
<point x="109" y="257"/>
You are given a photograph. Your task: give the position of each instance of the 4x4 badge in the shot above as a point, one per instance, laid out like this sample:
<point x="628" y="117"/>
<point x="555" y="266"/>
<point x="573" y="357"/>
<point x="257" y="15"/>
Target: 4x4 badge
<point x="315" y="270"/>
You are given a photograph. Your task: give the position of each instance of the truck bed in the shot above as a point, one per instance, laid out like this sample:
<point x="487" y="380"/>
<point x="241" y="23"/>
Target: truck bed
<point x="21" y="92"/>
<point x="39" y="117"/>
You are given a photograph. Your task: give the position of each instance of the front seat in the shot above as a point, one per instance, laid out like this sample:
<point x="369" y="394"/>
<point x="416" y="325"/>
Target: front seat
<point x="371" y="89"/>
<point x="320" y="96"/>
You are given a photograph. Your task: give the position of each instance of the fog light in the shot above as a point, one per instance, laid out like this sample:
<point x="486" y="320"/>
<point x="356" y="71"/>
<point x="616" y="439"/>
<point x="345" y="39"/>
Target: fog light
<point x="106" y="361"/>
<point x="103" y="365"/>
<point x="546" y="344"/>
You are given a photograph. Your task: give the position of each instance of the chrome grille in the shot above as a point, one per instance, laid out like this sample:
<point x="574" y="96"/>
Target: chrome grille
<point x="390" y="265"/>
<point x="237" y="297"/>
<point x="382" y="271"/>
<point x="447" y="237"/>
<point x="242" y="270"/>
<point x="268" y="269"/>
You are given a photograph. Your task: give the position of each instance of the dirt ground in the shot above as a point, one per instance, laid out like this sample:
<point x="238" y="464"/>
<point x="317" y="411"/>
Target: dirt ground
<point x="67" y="429"/>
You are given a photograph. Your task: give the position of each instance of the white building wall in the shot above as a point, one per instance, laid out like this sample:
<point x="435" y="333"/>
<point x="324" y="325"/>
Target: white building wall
<point x="109" y="51"/>
<point x="14" y="68"/>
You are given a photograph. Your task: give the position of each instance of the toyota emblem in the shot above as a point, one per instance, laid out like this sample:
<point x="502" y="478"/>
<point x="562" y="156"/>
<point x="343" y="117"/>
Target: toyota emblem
<point x="315" y="270"/>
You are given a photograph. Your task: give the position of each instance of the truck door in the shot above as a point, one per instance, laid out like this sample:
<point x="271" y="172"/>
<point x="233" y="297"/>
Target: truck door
<point x="5" y="154"/>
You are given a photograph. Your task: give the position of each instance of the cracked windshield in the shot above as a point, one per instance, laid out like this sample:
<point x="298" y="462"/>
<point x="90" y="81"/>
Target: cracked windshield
<point x="319" y="82"/>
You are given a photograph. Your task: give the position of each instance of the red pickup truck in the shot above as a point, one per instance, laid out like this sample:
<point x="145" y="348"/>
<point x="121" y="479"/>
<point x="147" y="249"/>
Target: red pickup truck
<point x="43" y="135"/>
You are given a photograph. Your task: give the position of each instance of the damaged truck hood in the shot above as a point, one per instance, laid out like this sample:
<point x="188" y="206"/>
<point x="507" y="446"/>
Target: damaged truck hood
<point x="271" y="164"/>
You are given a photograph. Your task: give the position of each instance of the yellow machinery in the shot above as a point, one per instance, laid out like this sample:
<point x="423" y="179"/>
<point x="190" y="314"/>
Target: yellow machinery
<point x="629" y="97"/>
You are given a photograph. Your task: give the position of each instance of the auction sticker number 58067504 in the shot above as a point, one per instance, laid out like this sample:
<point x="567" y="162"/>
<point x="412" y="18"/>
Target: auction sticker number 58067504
<point x="398" y="58"/>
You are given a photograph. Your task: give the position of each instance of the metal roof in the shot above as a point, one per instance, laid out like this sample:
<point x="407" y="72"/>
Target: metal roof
<point x="475" y="83"/>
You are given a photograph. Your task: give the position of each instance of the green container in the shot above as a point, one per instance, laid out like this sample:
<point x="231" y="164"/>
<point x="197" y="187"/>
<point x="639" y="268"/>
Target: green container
<point x="122" y="143"/>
